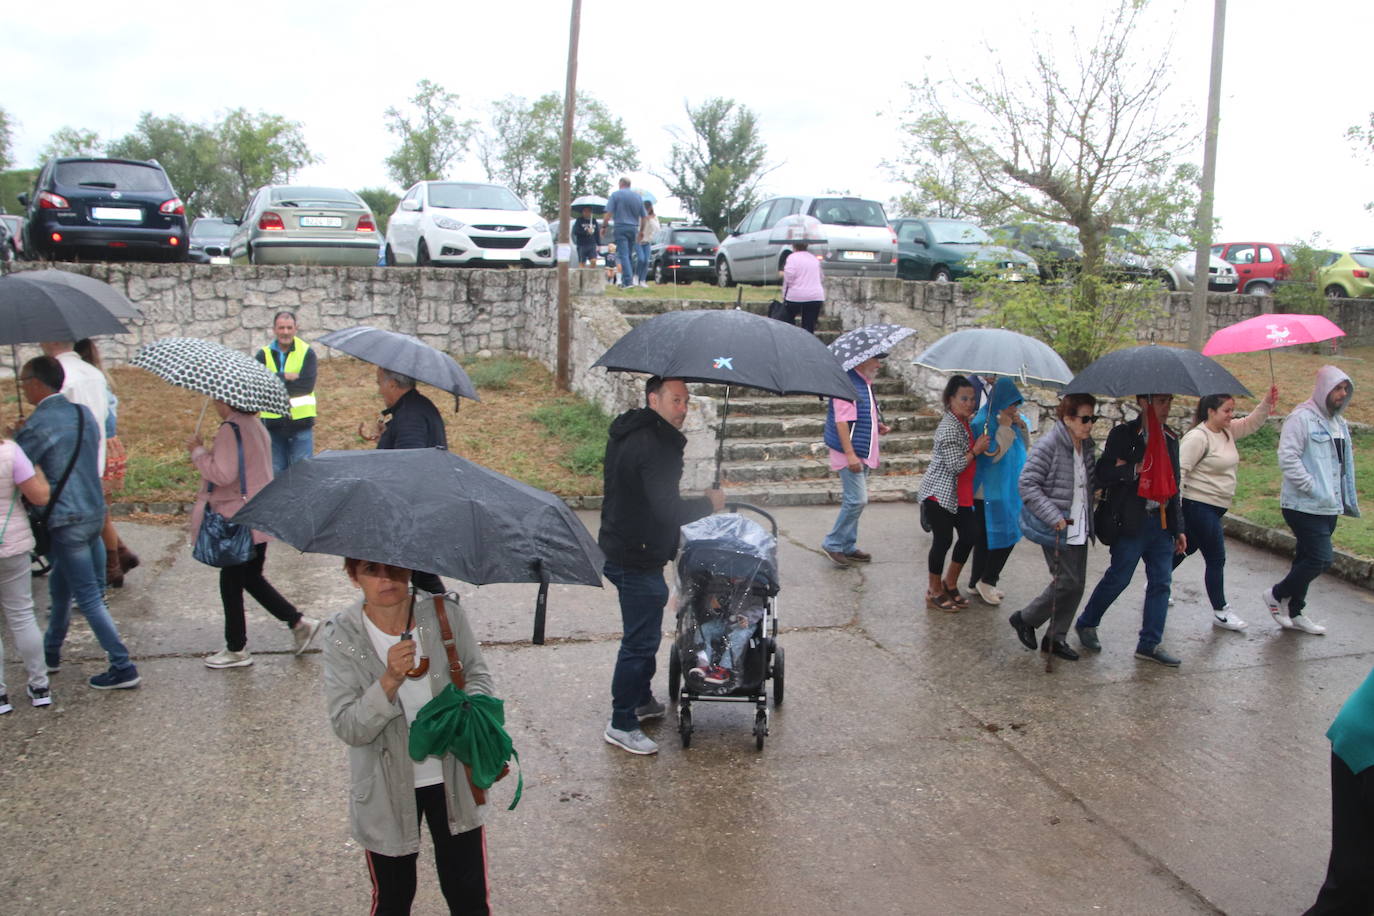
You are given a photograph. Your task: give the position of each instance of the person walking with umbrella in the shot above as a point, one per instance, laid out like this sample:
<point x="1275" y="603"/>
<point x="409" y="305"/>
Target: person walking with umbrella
<point x="1139" y="469"/>
<point x="641" y="512"/>
<point x="851" y="434"/>
<point x="624" y="210"/>
<point x="946" y="494"/>
<point x="996" y="501"/>
<point x="587" y="237"/>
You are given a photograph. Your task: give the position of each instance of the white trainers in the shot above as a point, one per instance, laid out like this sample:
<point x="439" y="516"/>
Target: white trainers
<point x="227" y="659"/>
<point x="988" y="593"/>
<point x="1277" y="607"/>
<point x="1227" y="621"/>
<point x="304" y="632"/>
<point x="1302" y="622"/>
<point x="999" y="593"/>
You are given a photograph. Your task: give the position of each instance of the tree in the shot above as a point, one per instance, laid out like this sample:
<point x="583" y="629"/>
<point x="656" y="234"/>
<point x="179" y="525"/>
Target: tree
<point x="716" y="171"/>
<point x="189" y="152"/>
<point x="255" y="150"/>
<point x="383" y="204"/>
<point x="6" y="140"/>
<point x="523" y="148"/>
<point x="1362" y="138"/>
<point x="943" y="183"/>
<point x="71" y="141"/>
<point x="431" y="140"/>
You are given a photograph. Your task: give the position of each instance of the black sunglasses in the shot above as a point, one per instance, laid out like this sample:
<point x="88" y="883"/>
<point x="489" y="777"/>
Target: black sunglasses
<point x="1087" y="418"/>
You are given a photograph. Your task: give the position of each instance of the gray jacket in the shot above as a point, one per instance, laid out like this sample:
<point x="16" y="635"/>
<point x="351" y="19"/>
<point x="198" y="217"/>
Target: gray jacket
<point x="381" y="802"/>
<point x="1047" y="479"/>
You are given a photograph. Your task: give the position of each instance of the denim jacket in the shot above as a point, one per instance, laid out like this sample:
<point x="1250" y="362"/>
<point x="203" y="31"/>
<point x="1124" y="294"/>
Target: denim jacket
<point x="1314" y="480"/>
<point x="48" y="437"/>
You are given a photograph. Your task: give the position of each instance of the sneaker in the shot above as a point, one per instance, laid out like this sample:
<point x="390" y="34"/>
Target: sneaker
<point x="634" y="740"/>
<point x="716" y="675"/>
<point x="651" y="710"/>
<point x="1157" y="654"/>
<point x="998" y="592"/>
<point x="1226" y="620"/>
<point x="116" y="680"/>
<point x="987" y="593"/>
<point x="1277" y="607"/>
<point x="226" y="658"/>
<point x="838" y="558"/>
<point x="303" y="632"/>
<point x="40" y="696"/>
<point x="5" y="704"/>
<point x="1087" y="638"/>
<point x="696" y="678"/>
<point x="1307" y="625"/>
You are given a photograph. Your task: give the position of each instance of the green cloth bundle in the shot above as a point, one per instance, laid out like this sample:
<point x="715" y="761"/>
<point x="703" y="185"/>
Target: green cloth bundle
<point x="471" y="727"/>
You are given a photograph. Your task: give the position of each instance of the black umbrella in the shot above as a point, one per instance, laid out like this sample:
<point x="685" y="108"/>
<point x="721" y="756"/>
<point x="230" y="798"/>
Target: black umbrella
<point x="428" y="509"/>
<point x="406" y="355"/>
<point x="730" y="347"/>
<point x="1153" y="369"/>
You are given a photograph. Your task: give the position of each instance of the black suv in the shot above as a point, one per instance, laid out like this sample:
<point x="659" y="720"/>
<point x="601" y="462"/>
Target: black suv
<point x="104" y="208"/>
<point x="680" y="254"/>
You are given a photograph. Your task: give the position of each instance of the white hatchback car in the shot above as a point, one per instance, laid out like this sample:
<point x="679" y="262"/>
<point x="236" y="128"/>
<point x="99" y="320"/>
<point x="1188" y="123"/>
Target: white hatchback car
<point x="466" y="224"/>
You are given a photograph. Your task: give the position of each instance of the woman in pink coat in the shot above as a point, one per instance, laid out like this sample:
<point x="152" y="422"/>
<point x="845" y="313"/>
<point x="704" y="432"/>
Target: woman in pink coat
<point x="219" y="466"/>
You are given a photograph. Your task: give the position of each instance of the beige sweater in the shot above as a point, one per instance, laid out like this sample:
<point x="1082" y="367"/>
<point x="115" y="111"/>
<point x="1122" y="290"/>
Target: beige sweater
<point x="1208" y="460"/>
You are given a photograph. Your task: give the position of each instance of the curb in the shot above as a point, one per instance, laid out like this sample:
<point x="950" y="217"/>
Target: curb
<point x="1347" y="566"/>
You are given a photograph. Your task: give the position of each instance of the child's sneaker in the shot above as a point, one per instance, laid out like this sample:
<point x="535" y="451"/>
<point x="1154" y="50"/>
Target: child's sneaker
<point x="716" y="675"/>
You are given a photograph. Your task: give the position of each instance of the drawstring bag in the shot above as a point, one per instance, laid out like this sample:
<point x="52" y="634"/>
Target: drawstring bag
<point x="221" y="542"/>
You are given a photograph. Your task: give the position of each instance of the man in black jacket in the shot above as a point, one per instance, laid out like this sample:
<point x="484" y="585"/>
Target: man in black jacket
<point x="1141" y="536"/>
<point x="641" y="512"/>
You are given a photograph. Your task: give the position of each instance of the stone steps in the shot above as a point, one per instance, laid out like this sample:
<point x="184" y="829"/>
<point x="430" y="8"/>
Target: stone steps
<point x="812" y="427"/>
<point x="767" y="405"/>
<point x="754" y="449"/>
<point x="817" y="468"/>
<point x="823" y="492"/>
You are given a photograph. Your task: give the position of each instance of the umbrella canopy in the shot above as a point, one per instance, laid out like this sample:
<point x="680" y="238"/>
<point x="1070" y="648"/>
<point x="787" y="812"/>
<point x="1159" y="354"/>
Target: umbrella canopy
<point x="853" y="347"/>
<point x="426" y="509"/>
<point x="597" y="204"/>
<point x="406" y="355"/>
<point x="39" y="305"/>
<point x="1269" y="332"/>
<point x="1153" y="369"/>
<point x="996" y="351"/>
<point x="730" y="347"/>
<point x="797" y="228"/>
<point x="647" y="196"/>
<point x="215" y="370"/>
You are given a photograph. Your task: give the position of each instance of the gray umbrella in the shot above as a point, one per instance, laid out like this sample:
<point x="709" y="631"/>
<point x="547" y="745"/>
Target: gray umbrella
<point x="406" y="355"/>
<point x="1153" y="369"/>
<point x="853" y="347"/>
<point x="431" y="510"/>
<point x="39" y="305"/>
<point x="996" y="351"/>
<point x="214" y="370"/>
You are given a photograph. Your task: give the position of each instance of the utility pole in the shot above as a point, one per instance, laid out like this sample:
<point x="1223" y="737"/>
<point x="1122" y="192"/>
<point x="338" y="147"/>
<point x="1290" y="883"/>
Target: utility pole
<point x="563" y="244"/>
<point x="1197" y="330"/>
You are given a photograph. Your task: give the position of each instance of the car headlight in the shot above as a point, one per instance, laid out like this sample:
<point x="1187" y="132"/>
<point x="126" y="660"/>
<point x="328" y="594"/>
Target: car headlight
<point x="444" y="222"/>
<point x="541" y="226"/>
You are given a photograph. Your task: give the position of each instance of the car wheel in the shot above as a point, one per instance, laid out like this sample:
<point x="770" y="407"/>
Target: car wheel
<point x="1258" y="289"/>
<point x="1168" y="281"/>
<point x="422" y="255"/>
<point x="723" y="276"/>
<point x="1336" y="291"/>
<point x="252" y="256"/>
<point x="390" y="257"/>
<point x="660" y="275"/>
<point x="941" y="274"/>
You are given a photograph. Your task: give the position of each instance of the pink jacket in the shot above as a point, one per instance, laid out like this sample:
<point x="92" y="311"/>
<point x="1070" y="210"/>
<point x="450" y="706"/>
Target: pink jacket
<point x="220" y="465"/>
<point x="801" y="281"/>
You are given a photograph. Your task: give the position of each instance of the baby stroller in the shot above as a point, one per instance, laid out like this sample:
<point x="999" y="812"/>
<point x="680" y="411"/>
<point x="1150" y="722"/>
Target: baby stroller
<point x="725" y="648"/>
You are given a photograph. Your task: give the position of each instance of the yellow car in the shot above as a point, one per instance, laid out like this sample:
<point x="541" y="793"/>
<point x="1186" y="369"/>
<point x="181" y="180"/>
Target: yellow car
<point x="1348" y="276"/>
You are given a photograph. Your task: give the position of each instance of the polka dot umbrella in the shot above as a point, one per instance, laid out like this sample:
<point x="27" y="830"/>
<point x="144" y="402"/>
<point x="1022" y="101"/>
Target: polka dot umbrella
<point x="214" y="370"/>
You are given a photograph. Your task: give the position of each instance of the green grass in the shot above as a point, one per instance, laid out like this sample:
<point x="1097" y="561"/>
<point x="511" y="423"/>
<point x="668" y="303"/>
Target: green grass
<point x="494" y="373"/>
<point x="151" y="476"/>
<point x="582" y="428"/>
<point x="1258" y="480"/>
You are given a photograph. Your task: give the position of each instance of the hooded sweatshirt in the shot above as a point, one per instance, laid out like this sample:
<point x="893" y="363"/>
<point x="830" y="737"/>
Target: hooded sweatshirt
<point x="1316" y="454"/>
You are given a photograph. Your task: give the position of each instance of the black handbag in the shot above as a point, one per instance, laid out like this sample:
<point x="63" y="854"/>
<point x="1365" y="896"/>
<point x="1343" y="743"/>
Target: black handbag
<point x="777" y="310"/>
<point x="1106" y="519"/>
<point x="39" y="515"/>
<point x="220" y="542"/>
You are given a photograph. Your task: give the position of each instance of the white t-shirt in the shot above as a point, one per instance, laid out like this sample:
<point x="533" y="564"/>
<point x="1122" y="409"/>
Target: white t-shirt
<point x="413" y="694"/>
<point x="85" y="384"/>
<point x="1078" y="512"/>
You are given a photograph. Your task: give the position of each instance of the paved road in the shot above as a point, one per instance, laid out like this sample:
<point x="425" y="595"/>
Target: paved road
<point x="923" y="762"/>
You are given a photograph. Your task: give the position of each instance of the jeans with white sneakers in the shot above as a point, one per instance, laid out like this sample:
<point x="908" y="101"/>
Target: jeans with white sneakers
<point x="627" y="254"/>
<point x="844" y="537"/>
<point x="1312" y="557"/>
<point x="16" y="597"/>
<point x="1202" y="521"/>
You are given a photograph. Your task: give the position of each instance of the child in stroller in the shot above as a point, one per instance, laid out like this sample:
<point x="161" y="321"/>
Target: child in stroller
<point x="726" y="630"/>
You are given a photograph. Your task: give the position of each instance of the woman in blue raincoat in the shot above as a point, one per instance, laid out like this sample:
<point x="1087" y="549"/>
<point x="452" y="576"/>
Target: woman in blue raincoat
<point x="996" y="500"/>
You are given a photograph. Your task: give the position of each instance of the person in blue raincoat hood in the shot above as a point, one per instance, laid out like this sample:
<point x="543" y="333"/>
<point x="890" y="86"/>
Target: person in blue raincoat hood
<point x="996" y="500"/>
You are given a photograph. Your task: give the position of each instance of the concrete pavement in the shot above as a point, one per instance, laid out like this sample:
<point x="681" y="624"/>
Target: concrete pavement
<point x="923" y="762"/>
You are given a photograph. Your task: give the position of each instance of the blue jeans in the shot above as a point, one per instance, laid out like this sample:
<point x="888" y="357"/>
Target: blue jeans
<point x="1154" y="545"/>
<point x="1202" y="521"/>
<point x="1312" y="557"/>
<point x="734" y="637"/>
<point x="844" y="537"/>
<point x="77" y="553"/>
<point x="642" y="271"/>
<point x="290" y="445"/>
<point x="643" y="594"/>
<point x="627" y="253"/>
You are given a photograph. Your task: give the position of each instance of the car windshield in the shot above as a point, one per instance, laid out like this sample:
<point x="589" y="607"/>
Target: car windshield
<point x="316" y="197"/>
<point x="209" y="228"/>
<point x="1363" y="258"/>
<point x="955" y="232"/>
<point x="121" y="176"/>
<point x="454" y="196"/>
<point x="693" y="238"/>
<point x="848" y="211"/>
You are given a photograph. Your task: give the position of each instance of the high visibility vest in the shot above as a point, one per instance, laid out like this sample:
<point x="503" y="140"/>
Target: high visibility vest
<point x="302" y="406"/>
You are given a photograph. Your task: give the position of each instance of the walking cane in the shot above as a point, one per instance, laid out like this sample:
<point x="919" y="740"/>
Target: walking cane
<point x="1054" y="594"/>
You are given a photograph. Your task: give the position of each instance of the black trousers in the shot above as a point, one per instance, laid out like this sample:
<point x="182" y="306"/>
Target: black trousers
<point x="1349" y="886"/>
<point x="987" y="563"/>
<point x="461" y="862"/>
<point x="233" y="582"/>
<point x="809" y="312"/>
<point x="943" y="526"/>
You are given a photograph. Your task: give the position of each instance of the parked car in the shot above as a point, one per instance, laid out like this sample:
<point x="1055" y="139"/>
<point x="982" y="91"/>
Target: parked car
<point x="301" y="224"/>
<point x="858" y="240"/>
<point x="942" y="250"/>
<point x="1168" y="258"/>
<point x="466" y="224"/>
<point x="1347" y="275"/>
<point x="680" y="254"/>
<point x="1055" y="247"/>
<point x="1258" y="265"/>
<point x="96" y="208"/>
<point x="13" y="226"/>
<point x="210" y="237"/>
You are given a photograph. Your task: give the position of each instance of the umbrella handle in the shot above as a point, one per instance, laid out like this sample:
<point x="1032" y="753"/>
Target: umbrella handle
<point x="720" y="438"/>
<point x="201" y="418"/>
<point x="541" y="603"/>
<point x="18" y="388"/>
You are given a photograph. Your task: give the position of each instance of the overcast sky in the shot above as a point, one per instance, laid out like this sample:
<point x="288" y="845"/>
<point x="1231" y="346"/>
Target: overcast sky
<point x="828" y="80"/>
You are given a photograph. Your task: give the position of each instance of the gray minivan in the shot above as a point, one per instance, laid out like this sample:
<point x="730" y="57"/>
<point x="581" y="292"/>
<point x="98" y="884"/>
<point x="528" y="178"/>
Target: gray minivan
<point x="859" y="242"/>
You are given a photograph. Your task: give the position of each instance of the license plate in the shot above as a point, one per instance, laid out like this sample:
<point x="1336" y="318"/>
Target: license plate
<point x="858" y="256"/>
<point x="322" y="222"/>
<point x="698" y="262"/>
<point x="120" y="213"/>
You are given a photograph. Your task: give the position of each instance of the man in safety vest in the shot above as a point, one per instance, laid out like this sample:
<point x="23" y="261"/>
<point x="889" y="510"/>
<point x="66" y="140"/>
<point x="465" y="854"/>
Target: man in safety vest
<point x="293" y="437"/>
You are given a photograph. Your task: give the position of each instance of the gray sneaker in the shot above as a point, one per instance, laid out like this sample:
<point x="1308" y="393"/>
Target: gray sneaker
<point x="1157" y="654"/>
<point x="651" y="710"/>
<point x="1087" y="637"/>
<point x="634" y="740"/>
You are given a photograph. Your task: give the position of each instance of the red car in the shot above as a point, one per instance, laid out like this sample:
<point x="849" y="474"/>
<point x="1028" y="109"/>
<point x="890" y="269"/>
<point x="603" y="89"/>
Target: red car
<point x="1259" y="265"/>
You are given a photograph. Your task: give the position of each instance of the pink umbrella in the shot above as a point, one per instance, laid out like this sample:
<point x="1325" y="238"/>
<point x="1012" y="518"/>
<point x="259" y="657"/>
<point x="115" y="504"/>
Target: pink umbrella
<point x="1269" y="332"/>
